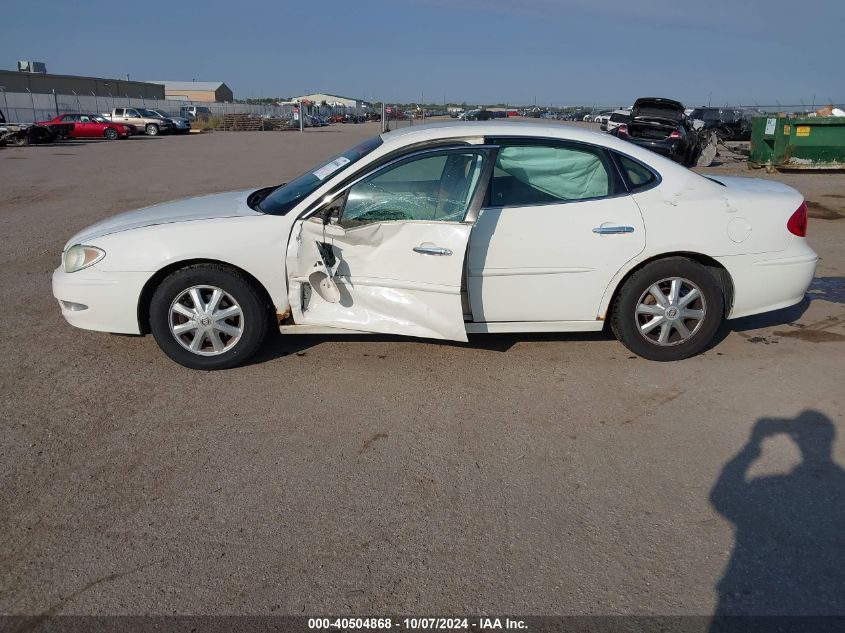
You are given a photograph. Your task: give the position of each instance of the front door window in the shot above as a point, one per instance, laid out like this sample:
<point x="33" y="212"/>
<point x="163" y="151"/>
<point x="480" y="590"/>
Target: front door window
<point x="433" y="187"/>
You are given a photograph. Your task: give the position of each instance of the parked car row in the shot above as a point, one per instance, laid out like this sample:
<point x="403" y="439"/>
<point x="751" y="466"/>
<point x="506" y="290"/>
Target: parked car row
<point x="120" y="123"/>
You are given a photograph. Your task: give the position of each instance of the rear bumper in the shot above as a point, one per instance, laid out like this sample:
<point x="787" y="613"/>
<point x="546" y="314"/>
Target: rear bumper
<point x="770" y="281"/>
<point x="104" y="301"/>
<point x="671" y="149"/>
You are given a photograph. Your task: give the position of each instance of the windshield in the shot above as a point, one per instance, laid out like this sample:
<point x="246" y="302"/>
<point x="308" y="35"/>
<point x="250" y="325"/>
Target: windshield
<point x="286" y="197"/>
<point x="98" y="118"/>
<point x="149" y="113"/>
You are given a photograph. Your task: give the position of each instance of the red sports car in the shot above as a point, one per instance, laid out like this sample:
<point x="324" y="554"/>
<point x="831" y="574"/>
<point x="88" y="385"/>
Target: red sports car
<point x="91" y="126"/>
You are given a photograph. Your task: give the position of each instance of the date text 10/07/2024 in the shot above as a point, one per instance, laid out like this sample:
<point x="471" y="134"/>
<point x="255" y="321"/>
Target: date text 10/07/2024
<point x="439" y="624"/>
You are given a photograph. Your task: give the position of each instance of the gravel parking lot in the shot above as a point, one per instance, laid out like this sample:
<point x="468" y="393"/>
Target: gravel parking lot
<point x="524" y="474"/>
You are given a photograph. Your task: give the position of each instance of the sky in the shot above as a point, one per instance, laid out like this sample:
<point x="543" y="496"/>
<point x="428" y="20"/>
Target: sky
<point x="552" y="52"/>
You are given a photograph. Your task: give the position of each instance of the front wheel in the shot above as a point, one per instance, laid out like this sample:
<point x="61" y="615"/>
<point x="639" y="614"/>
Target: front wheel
<point x="110" y="133"/>
<point x="208" y="316"/>
<point x="152" y="129"/>
<point x="668" y="310"/>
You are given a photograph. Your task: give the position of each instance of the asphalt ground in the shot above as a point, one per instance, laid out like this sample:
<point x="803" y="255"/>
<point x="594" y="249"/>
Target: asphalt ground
<point x="523" y="474"/>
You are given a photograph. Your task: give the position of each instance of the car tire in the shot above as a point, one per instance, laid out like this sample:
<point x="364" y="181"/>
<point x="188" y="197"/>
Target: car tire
<point x="151" y="129"/>
<point x="210" y="335"/>
<point x="669" y="310"/>
<point x="110" y="133"/>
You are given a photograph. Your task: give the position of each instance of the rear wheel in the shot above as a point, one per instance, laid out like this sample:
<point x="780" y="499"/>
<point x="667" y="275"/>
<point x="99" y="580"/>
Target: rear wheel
<point x="208" y="316"/>
<point x="110" y="133"/>
<point x="668" y="310"/>
<point x="152" y="129"/>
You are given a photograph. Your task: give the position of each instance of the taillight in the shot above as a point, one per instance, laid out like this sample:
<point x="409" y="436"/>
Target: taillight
<point x="622" y="129"/>
<point x="797" y="223"/>
<point x="675" y="134"/>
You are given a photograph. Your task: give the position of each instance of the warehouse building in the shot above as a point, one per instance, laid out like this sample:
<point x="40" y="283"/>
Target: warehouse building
<point x="208" y="91"/>
<point x="45" y="83"/>
<point x="333" y="100"/>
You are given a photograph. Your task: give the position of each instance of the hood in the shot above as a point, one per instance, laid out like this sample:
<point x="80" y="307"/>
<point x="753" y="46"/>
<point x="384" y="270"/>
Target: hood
<point x="220" y="205"/>
<point x="658" y="108"/>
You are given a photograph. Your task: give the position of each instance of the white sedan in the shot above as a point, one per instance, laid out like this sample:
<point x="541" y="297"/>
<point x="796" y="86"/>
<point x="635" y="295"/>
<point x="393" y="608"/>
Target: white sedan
<point x="444" y="230"/>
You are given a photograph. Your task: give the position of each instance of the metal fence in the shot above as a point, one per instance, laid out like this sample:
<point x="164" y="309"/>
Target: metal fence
<point x="25" y="107"/>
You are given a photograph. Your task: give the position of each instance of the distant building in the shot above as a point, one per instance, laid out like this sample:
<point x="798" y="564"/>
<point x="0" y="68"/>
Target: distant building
<point x="334" y="100"/>
<point x="46" y="83"/>
<point x="209" y="91"/>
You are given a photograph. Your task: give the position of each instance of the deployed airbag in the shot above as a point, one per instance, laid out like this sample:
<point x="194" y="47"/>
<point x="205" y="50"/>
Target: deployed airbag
<point x="566" y="174"/>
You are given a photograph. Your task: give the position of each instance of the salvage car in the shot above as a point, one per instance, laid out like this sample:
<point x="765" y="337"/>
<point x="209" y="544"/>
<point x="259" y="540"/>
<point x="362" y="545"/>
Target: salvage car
<point x="180" y="124"/>
<point x="660" y="125"/>
<point x="21" y="134"/>
<point x="730" y="124"/>
<point x="85" y="125"/>
<point x="616" y="118"/>
<point x="440" y="231"/>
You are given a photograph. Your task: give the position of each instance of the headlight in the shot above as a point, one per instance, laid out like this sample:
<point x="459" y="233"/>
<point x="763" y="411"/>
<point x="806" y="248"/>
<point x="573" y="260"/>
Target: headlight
<point x="78" y="257"/>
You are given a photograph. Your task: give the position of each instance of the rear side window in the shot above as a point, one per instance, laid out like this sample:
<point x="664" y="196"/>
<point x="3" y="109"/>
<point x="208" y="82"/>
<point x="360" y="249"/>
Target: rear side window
<point x="533" y="174"/>
<point x="638" y="175"/>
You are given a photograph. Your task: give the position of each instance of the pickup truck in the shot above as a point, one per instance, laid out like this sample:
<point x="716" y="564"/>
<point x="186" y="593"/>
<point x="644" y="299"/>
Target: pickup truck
<point x="152" y="124"/>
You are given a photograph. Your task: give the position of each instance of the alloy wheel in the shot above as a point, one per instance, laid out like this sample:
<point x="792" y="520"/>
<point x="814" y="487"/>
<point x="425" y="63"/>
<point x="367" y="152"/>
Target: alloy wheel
<point x="206" y="320"/>
<point x="670" y="311"/>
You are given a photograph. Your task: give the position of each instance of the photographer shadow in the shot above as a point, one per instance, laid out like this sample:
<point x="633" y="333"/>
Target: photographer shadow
<point x="788" y="559"/>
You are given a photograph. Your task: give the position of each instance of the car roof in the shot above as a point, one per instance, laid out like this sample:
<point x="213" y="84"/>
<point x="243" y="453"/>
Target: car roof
<point x="429" y="132"/>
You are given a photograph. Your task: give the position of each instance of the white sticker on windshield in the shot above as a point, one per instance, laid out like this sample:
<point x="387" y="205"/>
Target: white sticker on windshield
<point x="329" y="168"/>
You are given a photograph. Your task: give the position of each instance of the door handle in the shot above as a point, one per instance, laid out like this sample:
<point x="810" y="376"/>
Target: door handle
<point x="611" y="230"/>
<point x="432" y="250"/>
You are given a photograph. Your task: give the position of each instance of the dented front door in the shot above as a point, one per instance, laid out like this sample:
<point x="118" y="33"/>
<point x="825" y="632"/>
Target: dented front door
<point x="390" y="258"/>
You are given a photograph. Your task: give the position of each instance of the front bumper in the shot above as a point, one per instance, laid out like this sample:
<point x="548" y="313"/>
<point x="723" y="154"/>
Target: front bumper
<point x="92" y="299"/>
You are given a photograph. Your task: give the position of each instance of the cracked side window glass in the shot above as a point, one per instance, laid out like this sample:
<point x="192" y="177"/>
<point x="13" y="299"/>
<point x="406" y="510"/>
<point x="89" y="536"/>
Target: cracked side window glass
<point x="429" y="188"/>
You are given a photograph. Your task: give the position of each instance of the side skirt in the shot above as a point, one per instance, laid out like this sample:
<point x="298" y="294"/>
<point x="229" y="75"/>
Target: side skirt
<point x="471" y="328"/>
<point x="534" y="326"/>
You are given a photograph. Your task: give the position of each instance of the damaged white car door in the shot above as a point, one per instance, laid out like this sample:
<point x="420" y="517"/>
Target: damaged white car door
<point x="387" y="253"/>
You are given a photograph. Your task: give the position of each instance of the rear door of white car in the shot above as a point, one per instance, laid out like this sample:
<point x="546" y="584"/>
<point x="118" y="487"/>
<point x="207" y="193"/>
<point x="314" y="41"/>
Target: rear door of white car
<point x="558" y="224"/>
<point x="387" y="253"/>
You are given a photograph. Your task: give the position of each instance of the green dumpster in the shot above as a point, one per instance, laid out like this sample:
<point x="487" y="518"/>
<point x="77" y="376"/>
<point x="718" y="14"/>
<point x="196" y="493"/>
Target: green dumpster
<point x="798" y="142"/>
